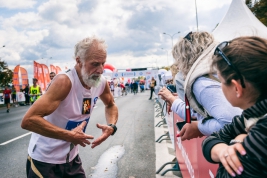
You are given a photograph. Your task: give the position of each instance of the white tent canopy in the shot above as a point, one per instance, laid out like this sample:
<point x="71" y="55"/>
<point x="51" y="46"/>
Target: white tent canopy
<point x="239" y="21"/>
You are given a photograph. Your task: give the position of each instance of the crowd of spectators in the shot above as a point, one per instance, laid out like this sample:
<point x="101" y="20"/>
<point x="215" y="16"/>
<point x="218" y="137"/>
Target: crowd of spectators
<point x="122" y="89"/>
<point x="226" y="83"/>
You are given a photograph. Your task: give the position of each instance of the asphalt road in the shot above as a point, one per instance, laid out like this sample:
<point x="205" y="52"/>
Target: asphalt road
<point x="135" y="135"/>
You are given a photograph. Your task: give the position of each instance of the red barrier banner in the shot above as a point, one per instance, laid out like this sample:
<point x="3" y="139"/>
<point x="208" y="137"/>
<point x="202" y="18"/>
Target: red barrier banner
<point x="58" y="69"/>
<point x="24" y="77"/>
<point x="46" y="75"/>
<point x="16" y="78"/>
<point x="53" y="68"/>
<point x="190" y="158"/>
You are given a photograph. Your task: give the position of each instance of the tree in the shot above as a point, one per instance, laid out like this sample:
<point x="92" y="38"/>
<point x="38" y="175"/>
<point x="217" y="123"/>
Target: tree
<point x="259" y="9"/>
<point x="6" y="74"/>
<point x="249" y="3"/>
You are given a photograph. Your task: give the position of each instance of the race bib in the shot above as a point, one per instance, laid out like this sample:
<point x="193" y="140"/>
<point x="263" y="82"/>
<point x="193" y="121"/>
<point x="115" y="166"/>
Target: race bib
<point x="73" y="124"/>
<point x="34" y="91"/>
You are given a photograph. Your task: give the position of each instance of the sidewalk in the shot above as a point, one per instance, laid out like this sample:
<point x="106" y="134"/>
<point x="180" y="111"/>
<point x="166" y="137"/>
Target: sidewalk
<point x="164" y="150"/>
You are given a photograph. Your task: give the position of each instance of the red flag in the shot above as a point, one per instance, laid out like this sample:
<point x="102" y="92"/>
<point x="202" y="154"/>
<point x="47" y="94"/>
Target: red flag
<point x="16" y="78"/>
<point x="58" y="69"/>
<point x="35" y="70"/>
<point x="53" y="68"/>
<point x="39" y="75"/>
<point x="24" y="77"/>
<point x="46" y="75"/>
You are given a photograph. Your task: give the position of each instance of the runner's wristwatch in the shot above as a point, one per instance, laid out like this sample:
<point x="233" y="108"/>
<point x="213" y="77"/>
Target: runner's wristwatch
<point x="114" y="128"/>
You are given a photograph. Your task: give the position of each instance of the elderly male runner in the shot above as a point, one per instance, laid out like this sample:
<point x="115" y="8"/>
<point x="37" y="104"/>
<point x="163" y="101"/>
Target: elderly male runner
<point x="57" y="119"/>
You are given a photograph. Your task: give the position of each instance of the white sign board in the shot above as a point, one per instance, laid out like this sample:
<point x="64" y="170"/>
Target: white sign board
<point x="20" y="98"/>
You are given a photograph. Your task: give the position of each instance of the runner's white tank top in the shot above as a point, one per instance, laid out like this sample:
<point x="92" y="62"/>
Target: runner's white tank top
<point x="74" y="109"/>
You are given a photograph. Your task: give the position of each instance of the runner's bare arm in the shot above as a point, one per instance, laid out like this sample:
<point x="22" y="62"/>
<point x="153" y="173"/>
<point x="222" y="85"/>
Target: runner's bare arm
<point x="111" y="110"/>
<point x="45" y="105"/>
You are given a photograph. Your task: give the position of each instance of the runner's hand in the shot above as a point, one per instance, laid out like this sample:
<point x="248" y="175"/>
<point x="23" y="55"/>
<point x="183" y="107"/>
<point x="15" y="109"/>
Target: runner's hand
<point x="106" y="132"/>
<point x="79" y="137"/>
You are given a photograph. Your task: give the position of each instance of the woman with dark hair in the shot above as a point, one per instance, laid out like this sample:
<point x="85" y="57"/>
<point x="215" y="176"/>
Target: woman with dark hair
<point x="240" y="148"/>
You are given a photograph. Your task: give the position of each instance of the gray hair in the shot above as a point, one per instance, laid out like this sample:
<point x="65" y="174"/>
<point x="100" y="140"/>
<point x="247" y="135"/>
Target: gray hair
<point x="88" y="43"/>
<point x="186" y="52"/>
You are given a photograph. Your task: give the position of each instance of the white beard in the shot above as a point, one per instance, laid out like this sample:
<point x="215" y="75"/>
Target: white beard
<point x="90" y="80"/>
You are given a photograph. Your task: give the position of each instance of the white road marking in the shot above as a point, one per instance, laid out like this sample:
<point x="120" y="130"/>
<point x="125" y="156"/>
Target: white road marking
<point x="107" y="163"/>
<point x="95" y="106"/>
<point x="24" y="135"/>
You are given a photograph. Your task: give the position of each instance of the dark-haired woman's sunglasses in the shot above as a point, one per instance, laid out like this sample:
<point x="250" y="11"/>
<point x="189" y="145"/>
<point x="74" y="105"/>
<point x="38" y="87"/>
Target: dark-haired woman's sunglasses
<point x="188" y="37"/>
<point x="218" y="51"/>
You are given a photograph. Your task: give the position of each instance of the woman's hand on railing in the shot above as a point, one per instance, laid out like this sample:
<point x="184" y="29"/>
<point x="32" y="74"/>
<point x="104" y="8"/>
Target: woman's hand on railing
<point x="190" y="131"/>
<point x="167" y="96"/>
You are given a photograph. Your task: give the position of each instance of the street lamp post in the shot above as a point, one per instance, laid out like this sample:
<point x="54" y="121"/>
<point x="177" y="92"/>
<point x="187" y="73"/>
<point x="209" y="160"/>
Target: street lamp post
<point x="46" y="59"/>
<point x="171" y="36"/>
<point x="167" y="56"/>
<point x="196" y="14"/>
<point x="2" y="47"/>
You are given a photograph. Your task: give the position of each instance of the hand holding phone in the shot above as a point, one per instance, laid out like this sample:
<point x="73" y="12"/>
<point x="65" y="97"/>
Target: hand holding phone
<point x="169" y="88"/>
<point x="180" y="125"/>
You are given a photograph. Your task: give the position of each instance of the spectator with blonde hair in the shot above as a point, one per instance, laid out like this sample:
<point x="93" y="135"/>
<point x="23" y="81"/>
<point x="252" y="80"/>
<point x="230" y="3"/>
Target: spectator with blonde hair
<point x="174" y="71"/>
<point x="209" y="106"/>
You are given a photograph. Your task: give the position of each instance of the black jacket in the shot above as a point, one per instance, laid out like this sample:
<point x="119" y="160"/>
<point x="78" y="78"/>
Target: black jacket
<point x="255" y="144"/>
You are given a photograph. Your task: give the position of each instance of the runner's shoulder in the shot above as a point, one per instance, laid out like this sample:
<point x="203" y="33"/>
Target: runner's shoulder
<point x="61" y="81"/>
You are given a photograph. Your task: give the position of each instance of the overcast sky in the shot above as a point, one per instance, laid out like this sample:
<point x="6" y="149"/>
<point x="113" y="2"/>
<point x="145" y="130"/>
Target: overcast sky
<point x="133" y="29"/>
